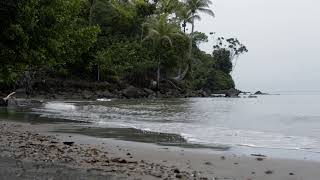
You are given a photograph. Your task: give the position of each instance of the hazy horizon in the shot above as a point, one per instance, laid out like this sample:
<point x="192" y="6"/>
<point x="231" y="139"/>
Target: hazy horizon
<point x="282" y="39"/>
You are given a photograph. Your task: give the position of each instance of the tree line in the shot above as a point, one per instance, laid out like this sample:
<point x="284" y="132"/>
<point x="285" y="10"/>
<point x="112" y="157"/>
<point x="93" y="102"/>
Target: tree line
<point x="135" y="41"/>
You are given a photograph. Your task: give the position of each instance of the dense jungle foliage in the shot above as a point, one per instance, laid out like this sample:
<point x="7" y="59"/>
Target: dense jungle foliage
<point x="136" y="42"/>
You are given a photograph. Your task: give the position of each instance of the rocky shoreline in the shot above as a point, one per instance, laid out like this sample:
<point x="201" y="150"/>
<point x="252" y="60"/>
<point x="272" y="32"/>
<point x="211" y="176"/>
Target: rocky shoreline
<point x="20" y="145"/>
<point x="69" y="89"/>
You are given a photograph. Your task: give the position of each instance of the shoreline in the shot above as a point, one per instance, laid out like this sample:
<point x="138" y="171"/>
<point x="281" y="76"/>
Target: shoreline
<point x="134" y="160"/>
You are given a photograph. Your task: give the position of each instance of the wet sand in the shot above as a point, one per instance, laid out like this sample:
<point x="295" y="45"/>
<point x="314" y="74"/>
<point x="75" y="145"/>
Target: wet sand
<point x="35" y="152"/>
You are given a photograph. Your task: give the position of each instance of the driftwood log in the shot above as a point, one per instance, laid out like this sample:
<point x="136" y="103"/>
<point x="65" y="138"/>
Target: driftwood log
<point x="4" y="101"/>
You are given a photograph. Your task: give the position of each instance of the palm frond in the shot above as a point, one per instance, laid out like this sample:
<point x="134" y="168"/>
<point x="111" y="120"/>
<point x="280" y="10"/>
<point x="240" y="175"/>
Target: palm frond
<point x="207" y="11"/>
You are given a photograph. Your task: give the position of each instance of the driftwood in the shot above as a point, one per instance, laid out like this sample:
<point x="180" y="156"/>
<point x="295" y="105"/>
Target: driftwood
<point x="172" y="84"/>
<point x="182" y="75"/>
<point x="4" y="101"/>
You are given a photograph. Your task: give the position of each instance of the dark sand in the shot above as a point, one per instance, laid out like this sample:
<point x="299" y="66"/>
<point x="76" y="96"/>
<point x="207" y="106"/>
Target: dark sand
<point x="33" y="152"/>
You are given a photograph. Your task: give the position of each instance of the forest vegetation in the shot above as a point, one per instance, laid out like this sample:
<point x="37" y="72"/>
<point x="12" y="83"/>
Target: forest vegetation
<point x="138" y="42"/>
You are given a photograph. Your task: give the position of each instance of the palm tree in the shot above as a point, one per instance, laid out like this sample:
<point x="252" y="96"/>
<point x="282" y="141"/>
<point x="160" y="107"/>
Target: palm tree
<point x="185" y="16"/>
<point x="160" y="32"/>
<point x="195" y="7"/>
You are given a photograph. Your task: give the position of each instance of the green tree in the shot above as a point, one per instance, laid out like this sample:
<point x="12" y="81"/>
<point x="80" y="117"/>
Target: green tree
<point x="44" y="34"/>
<point x="160" y="33"/>
<point x="228" y="52"/>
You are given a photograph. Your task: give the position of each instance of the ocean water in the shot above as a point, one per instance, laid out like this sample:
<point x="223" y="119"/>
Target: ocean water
<point x="279" y="125"/>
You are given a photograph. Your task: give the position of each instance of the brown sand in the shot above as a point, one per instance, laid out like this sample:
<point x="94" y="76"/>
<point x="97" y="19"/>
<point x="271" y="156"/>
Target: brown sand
<point x="114" y="159"/>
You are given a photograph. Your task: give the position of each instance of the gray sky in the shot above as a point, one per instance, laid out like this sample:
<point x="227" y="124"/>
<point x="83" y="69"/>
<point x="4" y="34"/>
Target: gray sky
<point x="283" y="38"/>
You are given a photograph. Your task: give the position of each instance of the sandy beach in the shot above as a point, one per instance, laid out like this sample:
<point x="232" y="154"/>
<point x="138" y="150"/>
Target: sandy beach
<point x="35" y="152"/>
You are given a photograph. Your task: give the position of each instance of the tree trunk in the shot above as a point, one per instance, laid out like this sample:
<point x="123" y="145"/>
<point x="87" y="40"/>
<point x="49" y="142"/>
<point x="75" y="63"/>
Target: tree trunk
<point x="141" y="38"/>
<point x="27" y="79"/>
<point x="98" y="72"/>
<point x="191" y="38"/>
<point x="158" y="74"/>
<point x="93" y="2"/>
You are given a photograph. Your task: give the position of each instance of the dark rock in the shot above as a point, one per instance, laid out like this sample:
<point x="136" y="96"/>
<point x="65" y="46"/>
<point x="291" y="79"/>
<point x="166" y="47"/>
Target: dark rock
<point x="3" y="102"/>
<point x="258" y="93"/>
<point x="87" y="94"/>
<point x="203" y="93"/>
<point x="291" y="174"/>
<point x="149" y="91"/>
<point x="228" y="93"/>
<point x="133" y="92"/>
<point x="107" y="94"/>
<point x="24" y="102"/>
<point x="104" y="94"/>
<point x="232" y="93"/>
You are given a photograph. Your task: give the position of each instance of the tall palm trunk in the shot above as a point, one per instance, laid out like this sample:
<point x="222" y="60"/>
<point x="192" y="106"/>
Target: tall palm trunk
<point x="190" y="45"/>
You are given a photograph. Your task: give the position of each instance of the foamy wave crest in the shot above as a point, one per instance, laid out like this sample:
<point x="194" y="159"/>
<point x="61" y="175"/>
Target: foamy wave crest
<point x="59" y="106"/>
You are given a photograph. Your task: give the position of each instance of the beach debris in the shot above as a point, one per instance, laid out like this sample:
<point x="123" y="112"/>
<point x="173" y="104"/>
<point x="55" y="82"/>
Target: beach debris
<point x="269" y="172"/>
<point x="176" y="170"/>
<point x="205" y="178"/>
<point x="223" y="158"/>
<point x="208" y="163"/>
<point x="258" y="155"/>
<point x="119" y="160"/>
<point x="260" y="159"/>
<point x="291" y="174"/>
<point x="69" y="143"/>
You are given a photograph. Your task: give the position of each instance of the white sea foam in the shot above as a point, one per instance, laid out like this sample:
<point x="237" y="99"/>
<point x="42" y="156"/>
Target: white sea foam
<point x="59" y="106"/>
<point x="104" y="100"/>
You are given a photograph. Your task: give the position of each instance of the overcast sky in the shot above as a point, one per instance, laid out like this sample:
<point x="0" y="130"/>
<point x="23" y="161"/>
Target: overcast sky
<point x="283" y="38"/>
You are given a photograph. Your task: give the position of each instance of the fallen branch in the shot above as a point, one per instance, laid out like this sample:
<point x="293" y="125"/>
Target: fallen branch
<point x="8" y="97"/>
<point x="4" y="101"/>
